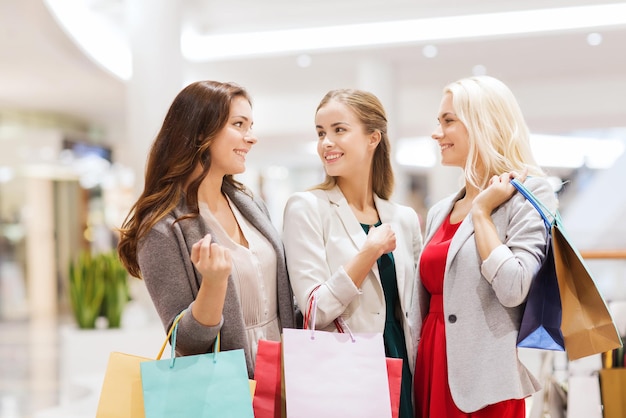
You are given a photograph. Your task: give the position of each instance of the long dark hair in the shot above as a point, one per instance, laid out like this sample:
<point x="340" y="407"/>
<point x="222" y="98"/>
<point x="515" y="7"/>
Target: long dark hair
<point x="195" y="117"/>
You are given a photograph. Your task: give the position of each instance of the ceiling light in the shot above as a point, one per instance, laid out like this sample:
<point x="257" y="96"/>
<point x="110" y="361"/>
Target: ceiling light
<point x="594" y="39"/>
<point x="207" y="47"/>
<point x="99" y="38"/>
<point x="107" y="44"/>
<point x="304" y="61"/>
<point x="430" y="51"/>
<point x="416" y="152"/>
<point x="589" y="152"/>
<point x="479" y="70"/>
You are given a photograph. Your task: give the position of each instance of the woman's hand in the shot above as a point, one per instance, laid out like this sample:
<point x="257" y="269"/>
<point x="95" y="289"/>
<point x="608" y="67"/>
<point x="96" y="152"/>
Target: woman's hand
<point x="211" y="259"/>
<point x="382" y="238"/>
<point x="214" y="263"/>
<point x="497" y="192"/>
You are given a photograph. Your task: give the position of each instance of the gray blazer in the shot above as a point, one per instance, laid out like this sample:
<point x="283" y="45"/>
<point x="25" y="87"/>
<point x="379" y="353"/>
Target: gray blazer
<point x="173" y="282"/>
<point x="483" y="302"/>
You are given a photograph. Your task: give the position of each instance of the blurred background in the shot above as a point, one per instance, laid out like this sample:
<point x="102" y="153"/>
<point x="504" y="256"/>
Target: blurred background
<point x="85" y="84"/>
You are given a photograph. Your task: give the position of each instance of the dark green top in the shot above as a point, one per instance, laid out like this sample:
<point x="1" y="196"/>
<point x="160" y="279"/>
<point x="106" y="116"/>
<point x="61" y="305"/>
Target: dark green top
<point x="393" y="335"/>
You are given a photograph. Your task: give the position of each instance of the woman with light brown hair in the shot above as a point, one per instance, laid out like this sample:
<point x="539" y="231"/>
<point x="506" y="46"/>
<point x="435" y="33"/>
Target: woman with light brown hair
<point x="346" y="241"/>
<point x="200" y="240"/>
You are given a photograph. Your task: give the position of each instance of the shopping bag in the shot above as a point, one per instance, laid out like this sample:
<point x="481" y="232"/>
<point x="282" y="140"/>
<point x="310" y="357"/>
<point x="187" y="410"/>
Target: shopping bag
<point x="586" y="323"/>
<point x="121" y="395"/>
<point x="394" y="374"/>
<point x="612" y="389"/>
<point x="589" y="328"/>
<point x="330" y="374"/>
<point x="200" y="386"/>
<point x="541" y="321"/>
<point x="268" y="401"/>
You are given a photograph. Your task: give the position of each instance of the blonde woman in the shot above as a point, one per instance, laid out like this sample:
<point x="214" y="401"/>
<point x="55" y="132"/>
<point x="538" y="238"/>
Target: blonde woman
<point x="483" y="245"/>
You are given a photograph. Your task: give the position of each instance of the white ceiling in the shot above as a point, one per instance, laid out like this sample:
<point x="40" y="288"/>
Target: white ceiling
<point x="563" y="84"/>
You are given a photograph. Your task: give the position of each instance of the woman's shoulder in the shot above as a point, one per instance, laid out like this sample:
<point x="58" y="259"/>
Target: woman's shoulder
<point x="308" y="197"/>
<point x="399" y="208"/>
<point x="543" y="190"/>
<point x="537" y="182"/>
<point x="163" y="228"/>
<point x="160" y="235"/>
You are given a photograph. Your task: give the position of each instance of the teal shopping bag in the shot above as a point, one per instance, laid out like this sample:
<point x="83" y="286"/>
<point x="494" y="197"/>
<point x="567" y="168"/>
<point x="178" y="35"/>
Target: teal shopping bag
<point x="200" y="386"/>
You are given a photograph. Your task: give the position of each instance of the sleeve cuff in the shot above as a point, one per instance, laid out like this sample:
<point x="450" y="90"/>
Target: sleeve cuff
<point x="496" y="259"/>
<point x="342" y="287"/>
<point x="193" y="327"/>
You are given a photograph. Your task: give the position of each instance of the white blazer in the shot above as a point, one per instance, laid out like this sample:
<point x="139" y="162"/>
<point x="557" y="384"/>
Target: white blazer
<point x="321" y="234"/>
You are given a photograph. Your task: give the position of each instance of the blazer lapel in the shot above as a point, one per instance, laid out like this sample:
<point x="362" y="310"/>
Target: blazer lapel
<point x="345" y="214"/>
<point x="439" y="217"/>
<point x="350" y="223"/>
<point x="255" y="215"/>
<point x="465" y="231"/>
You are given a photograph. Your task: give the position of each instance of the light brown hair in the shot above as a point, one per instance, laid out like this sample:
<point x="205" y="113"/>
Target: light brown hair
<point x="371" y="113"/>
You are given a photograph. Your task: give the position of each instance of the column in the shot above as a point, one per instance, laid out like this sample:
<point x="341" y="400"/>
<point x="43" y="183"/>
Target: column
<point x="154" y="28"/>
<point x="40" y="248"/>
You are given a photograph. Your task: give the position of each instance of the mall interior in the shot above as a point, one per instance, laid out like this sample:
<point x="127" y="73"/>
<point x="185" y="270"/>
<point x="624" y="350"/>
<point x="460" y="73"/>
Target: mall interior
<point x="84" y="86"/>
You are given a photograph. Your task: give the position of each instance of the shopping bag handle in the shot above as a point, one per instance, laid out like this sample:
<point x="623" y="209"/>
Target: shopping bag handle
<point x="172" y="333"/>
<point x="545" y="213"/>
<point x="309" y="317"/>
<point x="169" y="334"/>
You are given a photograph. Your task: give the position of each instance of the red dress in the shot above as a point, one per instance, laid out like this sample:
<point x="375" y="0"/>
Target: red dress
<point x="432" y="392"/>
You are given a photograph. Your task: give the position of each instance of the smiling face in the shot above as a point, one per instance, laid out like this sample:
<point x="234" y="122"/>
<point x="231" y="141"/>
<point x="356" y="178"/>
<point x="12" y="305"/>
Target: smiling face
<point x="451" y="134"/>
<point x="343" y="145"/>
<point x="232" y="143"/>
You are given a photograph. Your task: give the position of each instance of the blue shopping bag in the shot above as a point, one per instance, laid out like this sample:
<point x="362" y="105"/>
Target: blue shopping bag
<point x="200" y="386"/>
<point x="541" y="321"/>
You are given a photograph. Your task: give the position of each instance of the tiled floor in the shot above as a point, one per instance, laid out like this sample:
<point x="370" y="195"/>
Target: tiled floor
<point x="28" y="367"/>
<point x="49" y="369"/>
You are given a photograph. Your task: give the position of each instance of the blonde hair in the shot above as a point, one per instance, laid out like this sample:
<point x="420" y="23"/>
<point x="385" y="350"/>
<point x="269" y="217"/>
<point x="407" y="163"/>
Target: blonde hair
<point x="499" y="139"/>
<point x="371" y="113"/>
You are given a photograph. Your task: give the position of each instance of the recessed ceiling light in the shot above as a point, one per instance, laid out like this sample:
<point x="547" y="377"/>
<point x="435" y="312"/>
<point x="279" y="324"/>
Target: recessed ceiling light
<point x="304" y="60"/>
<point x="479" y="69"/>
<point x="430" y="51"/>
<point x="594" y="39"/>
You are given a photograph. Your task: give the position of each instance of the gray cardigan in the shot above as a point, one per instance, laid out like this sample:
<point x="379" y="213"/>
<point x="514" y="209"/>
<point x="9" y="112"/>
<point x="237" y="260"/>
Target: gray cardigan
<point x="173" y="282"/>
<point x="483" y="302"/>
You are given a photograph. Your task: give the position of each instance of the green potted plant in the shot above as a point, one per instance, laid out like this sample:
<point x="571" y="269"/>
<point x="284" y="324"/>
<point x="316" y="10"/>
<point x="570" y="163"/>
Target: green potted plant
<point x="98" y="286"/>
<point x="116" y="290"/>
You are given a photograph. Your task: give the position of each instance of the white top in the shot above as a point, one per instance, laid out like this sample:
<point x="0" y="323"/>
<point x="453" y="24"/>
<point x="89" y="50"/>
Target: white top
<point x="254" y="274"/>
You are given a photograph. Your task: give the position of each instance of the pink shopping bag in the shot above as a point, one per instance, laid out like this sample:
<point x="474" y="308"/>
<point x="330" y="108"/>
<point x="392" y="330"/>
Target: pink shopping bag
<point x="334" y="374"/>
